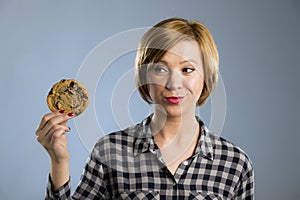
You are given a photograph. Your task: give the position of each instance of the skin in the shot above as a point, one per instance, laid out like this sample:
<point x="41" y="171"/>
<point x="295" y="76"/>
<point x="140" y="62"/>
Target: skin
<point x="178" y="73"/>
<point x="51" y="134"/>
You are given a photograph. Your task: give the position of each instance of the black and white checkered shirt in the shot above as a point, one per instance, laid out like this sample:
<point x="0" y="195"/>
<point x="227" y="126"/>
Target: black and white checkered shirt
<point x="128" y="165"/>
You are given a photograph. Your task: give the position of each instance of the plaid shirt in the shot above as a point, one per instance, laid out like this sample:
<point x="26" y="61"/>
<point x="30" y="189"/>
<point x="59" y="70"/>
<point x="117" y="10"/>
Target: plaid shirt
<point x="128" y="165"/>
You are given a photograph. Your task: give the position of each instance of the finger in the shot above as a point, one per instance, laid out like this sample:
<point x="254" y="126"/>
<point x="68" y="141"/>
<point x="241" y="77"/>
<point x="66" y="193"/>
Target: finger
<point x="59" y="119"/>
<point x="64" y="123"/>
<point x="58" y="140"/>
<point x="46" y="137"/>
<point x="46" y="118"/>
<point x="43" y="121"/>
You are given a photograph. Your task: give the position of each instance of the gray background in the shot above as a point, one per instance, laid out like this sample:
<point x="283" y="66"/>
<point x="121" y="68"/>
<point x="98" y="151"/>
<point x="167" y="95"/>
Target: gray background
<point x="259" y="45"/>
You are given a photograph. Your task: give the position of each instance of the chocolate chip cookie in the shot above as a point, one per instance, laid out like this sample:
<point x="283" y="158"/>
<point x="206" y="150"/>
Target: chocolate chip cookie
<point x="69" y="95"/>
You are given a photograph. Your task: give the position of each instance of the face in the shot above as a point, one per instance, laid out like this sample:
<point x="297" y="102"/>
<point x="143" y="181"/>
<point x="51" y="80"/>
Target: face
<point x="176" y="81"/>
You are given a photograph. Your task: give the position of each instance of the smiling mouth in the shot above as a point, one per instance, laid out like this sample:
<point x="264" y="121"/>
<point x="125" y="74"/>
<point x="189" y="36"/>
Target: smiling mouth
<point x="174" y="100"/>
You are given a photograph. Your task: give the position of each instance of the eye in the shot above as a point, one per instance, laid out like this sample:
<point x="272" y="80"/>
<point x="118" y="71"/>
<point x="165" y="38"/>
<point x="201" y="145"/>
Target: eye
<point x="188" y="70"/>
<point x="160" y="69"/>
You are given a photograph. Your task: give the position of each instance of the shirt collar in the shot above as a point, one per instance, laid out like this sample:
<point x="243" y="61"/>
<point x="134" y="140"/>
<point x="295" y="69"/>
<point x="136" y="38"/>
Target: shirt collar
<point x="144" y="140"/>
<point x="205" y="144"/>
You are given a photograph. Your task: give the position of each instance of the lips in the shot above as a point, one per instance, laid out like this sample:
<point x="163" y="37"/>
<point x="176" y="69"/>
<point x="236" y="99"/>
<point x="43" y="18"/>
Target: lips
<point x="174" y="100"/>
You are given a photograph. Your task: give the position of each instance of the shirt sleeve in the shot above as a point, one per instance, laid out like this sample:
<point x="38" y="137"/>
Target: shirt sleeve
<point x="245" y="189"/>
<point x="91" y="186"/>
<point x="63" y="192"/>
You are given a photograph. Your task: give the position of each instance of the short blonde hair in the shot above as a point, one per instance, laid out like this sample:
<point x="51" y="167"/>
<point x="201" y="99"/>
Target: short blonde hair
<point x="165" y="34"/>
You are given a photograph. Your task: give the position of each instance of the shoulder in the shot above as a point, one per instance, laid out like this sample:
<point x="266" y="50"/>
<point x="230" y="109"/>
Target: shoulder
<point x="118" y="146"/>
<point x="230" y="154"/>
<point x="113" y="142"/>
<point x="125" y="138"/>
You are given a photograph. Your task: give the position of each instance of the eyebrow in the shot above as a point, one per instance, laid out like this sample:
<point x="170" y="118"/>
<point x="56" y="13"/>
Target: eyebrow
<point x="182" y="62"/>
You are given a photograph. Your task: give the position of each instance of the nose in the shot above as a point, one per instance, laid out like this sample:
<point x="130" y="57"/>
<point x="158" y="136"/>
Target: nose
<point x="174" y="81"/>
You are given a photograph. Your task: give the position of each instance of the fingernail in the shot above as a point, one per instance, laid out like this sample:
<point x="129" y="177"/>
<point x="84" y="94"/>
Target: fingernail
<point x="69" y="128"/>
<point x="71" y="114"/>
<point x="62" y="111"/>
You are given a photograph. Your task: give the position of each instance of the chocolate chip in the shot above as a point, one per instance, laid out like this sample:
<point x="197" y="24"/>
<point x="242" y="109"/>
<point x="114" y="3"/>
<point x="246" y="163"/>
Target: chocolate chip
<point x="51" y="91"/>
<point x="79" y="90"/>
<point x="84" y="96"/>
<point x="57" y="105"/>
<point x="71" y="92"/>
<point x="72" y="84"/>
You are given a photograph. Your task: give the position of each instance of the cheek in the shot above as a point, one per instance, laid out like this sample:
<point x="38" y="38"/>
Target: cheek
<point x="155" y="84"/>
<point x="151" y="90"/>
<point x="155" y="92"/>
<point x="197" y="83"/>
<point x="195" y="86"/>
<point x="152" y="79"/>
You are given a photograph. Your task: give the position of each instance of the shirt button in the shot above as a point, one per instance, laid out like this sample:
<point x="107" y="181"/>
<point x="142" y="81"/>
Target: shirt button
<point x="185" y="162"/>
<point x="174" y="183"/>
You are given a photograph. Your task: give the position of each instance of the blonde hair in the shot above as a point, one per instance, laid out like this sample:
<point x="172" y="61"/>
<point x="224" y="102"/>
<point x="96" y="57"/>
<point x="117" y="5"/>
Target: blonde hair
<point x="165" y="34"/>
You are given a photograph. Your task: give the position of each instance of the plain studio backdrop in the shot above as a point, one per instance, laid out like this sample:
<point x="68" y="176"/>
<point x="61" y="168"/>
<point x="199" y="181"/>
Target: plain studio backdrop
<point x="45" y="41"/>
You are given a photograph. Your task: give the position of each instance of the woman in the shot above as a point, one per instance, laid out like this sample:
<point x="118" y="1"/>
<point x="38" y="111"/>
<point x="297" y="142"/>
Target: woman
<point x="170" y="154"/>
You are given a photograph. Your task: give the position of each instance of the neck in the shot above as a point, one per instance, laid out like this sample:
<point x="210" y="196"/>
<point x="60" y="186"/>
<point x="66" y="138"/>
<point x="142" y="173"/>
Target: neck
<point x="168" y="129"/>
<point x="176" y="137"/>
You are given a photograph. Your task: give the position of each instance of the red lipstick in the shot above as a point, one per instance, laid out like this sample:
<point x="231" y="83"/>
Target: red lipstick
<point x="174" y="100"/>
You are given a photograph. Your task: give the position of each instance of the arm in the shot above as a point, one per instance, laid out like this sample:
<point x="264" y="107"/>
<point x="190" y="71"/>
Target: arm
<point x="245" y="189"/>
<point x="59" y="174"/>
<point x="51" y="135"/>
<point x="92" y="184"/>
<point x="64" y="192"/>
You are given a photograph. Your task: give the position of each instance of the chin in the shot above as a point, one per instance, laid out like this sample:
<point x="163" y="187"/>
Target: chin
<point x="175" y="112"/>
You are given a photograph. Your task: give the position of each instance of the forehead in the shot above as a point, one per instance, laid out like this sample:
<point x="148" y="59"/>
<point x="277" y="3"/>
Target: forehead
<point x="186" y="50"/>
